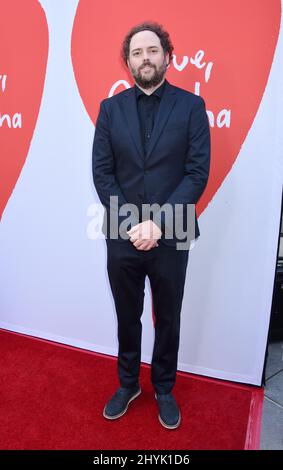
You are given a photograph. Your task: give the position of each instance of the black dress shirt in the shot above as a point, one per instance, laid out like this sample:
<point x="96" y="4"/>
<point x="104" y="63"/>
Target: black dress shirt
<point x="147" y="106"/>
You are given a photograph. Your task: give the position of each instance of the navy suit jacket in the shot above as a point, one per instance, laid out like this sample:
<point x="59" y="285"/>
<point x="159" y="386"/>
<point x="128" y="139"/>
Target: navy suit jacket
<point x="175" y="168"/>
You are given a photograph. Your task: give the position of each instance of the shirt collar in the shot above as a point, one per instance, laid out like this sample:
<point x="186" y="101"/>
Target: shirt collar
<point x="158" y="92"/>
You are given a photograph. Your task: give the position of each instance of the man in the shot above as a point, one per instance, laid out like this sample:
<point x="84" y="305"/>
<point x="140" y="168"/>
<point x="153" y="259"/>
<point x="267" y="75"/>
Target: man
<point x="151" y="146"/>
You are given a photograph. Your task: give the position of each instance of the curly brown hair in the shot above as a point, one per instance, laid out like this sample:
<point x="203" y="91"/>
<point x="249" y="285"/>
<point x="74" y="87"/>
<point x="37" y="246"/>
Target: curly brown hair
<point x="149" y="26"/>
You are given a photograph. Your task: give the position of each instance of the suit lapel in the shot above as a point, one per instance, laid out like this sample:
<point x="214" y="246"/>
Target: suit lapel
<point x="130" y="110"/>
<point x="129" y="106"/>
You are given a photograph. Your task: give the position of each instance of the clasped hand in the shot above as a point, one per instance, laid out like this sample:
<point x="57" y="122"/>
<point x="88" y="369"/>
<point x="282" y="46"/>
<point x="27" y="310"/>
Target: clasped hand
<point x="144" y="236"/>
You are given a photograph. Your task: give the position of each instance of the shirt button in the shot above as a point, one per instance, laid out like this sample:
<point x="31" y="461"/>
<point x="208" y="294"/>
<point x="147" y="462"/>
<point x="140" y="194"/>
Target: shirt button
<point x="148" y="136"/>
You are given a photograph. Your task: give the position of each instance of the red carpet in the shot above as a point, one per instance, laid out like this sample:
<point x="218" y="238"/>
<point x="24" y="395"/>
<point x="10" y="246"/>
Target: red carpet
<point x="52" y="397"/>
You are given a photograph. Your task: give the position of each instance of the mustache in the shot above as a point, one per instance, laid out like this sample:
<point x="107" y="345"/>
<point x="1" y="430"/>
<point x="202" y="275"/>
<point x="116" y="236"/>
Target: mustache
<point x="144" y="65"/>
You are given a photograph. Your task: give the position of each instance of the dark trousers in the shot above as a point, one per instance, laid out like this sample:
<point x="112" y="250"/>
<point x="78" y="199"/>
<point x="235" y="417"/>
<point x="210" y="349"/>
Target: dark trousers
<point x="166" y="269"/>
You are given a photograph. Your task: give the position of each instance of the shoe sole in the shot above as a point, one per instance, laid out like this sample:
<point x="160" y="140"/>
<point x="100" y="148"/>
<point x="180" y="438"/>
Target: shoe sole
<point x="124" y="411"/>
<point x="169" y="426"/>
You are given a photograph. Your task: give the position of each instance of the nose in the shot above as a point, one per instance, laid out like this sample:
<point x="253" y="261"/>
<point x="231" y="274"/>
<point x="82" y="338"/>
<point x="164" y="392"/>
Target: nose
<point x="145" y="56"/>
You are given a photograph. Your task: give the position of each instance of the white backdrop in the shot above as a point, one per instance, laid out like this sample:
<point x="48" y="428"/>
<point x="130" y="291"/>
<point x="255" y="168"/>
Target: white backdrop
<point x="53" y="277"/>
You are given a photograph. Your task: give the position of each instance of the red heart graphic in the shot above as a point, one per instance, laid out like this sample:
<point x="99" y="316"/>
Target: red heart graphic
<point x="238" y="40"/>
<point x="23" y="56"/>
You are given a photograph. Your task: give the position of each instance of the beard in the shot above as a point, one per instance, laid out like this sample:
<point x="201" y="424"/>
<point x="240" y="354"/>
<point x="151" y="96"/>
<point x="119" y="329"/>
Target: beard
<point x="152" y="80"/>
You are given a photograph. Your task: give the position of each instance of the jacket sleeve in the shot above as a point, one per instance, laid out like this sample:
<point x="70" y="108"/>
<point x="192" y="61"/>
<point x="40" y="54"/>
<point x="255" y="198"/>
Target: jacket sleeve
<point x="197" y="163"/>
<point x="103" y="165"/>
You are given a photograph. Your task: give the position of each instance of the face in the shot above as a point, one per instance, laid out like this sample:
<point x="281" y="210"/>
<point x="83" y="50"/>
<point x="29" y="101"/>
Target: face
<point x="147" y="61"/>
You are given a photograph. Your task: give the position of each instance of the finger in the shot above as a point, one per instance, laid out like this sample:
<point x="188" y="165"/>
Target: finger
<point x="133" y="229"/>
<point x="138" y="243"/>
<point x="142" y="244"/>
<point x="148" y="246"/>
<point x="138" y="235"/>
<point x="144" y="247"/>
<point x="134" y="238"/>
